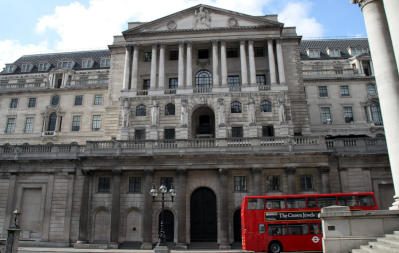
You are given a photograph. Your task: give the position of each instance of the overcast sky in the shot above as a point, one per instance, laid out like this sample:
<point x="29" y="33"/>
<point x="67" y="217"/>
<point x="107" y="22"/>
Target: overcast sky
<point x="40" y="26"/>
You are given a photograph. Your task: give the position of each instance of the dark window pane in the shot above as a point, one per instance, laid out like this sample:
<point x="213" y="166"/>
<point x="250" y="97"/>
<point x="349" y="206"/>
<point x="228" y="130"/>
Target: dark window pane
<point x="174" y="55"/>
<point x="298" y="229"/>
<point x="326" y="115"/>
<point x="267" y="131"/>
<point x="170" y="134"/>
<point x="236" y="132"/>
<point x="14" y="103"/>
<point x="135" y="184"/>
<point x="314" y="228"/>
<point x="256" y="204"/>
<point x="277" y="229"/>
<point x="139" y="134"/>
<point x="147" y="56"/>
<point x="311" y="202"/>
<point x="240" y="183"/>
<point x="167" y="181"/>
<point x="258" y="51"/>
<point x="52" y="121"/>
<point x="273" y="183"/>
<point x="348" y="115"/>
<point x="233" y="81"/>
<point x="323" y="91"/>
<point x="76" y="123"/>
<point x="326" y="201"/>
<point x="347" y="201"/>
<point x="103" y="184"/>
<point x="32" y="102"/>
<point x="345" y="90"/>
<point x="232" y="52"/>
<point x="260" y="80"/>
<point x="306" y="182"/>
<point x="55" y="100"/>
<point x="98" y="99"/>
<point x="203" y="54"/>
<point x="96" y="122"/>
<point x="366" y="200"/>
<point x="203" y="79"/>
<point x="79" y="100"/>
<point x="236" y="107"/>
<point x="170" y="109"/>
<point x="266" y="106"/>
<point x="141" y="110"/>
<point x="275" y="204"/>
<point x="173" y="83"/>
<point x="146" y="84"/>
<point x="296" y="203"/>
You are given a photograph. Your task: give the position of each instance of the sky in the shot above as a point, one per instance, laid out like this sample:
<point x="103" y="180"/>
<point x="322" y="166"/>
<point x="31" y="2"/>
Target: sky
<point x="42" y="26"/>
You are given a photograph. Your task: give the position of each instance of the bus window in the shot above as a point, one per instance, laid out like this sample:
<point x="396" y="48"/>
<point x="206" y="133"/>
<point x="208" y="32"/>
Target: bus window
<point x="366" y="200"/>
<point x="277" y="229"/>
<point x="296" y="203"/>
<point x="275" y="204"/>
<point x="326" y="201"/>
<point x="347" y="201"/>
<point x="312" y="202"/>
<point x="314" y="228"/>
<point x="256" y="204"/>
<point x="262" y="229"/>
<point x="298" y="229"/>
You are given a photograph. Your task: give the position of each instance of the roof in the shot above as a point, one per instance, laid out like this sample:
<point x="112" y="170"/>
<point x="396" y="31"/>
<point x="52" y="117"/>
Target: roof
<point x="53" y="58"/>
<point x="323" y="45"/>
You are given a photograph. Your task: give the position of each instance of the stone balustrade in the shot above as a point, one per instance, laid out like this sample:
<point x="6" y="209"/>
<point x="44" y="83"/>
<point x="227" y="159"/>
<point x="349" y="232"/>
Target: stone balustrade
<point x="23" y="85"/>
<point x="331" y="72"/>
<point x="370" y="145"/>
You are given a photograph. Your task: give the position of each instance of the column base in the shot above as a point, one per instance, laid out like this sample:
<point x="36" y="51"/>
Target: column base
<point x="161" y="249"/>
<point x="81" y="242"/>
<point x="146" y="245"/>
<point x="224" y="246"/>
<point x="113" y="245"/>
<point x="181" y="246"/>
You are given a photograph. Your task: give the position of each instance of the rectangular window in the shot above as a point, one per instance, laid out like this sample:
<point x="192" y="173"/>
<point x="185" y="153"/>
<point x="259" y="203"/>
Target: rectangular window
<point x="167" y="181"/>
<point x="105" y="62"/>
<point x="32" y="102"/>
<point x="347" y="201"/>
<point x="10" y="125"/>
<point x="146" y="84"/>
<point x="173" y="83"/>
<point x="262" y="229"/>
<point x="314" y="53"/>
<point x="76" y="123"/>
<point x="366" y="200"/>
<point x="134" y="184"/>
<point x="139" y="134"/>
<point x="306" y="182"/>
<point x="345" y="90"/>
<point x="273" y="183"/>
<point x="96" y="122"/>
<point x="25" y="67"/>
<point x="79" y="100"/>
<point x="14" y="103"/>
<point x="256" y="204"/>
<point x="326" y="115"/>
<point x="326" y="201"/>
<point x="240" y="183"/>
<point x="277" y="229"/>
<point x="174" y="55"/>
<point x="169" y="134"/>
<point x="237" y="132"/>
<point x="9" y="68"/>
<point x="21" y="84"/>
<point x="147" y="56"/>
<point x="98" y="99"/>
<point x="29" y="125"/>
<point x="203" y="54"/>
<point x="65" y="64"/>
<point x="232" y="52"/>
<point x="233" y="81"/>
<point x="348" y="114"/>
<point x="43" y="66"/>
<point x="87" y="63"/>
<point x="261" y="80"/>
<point x="296" y="203"/>
<point x="298" y="229"/>
<point x="267" y="131"/>
<point x="314" y="228"/>
<point x="275" y="204"/>
<point x="104" y="184"/>
<point x="334" y="53"/>
<point x="258" y="51"/>
<point x="323" y="91"/>
<point x="338" y="71"/>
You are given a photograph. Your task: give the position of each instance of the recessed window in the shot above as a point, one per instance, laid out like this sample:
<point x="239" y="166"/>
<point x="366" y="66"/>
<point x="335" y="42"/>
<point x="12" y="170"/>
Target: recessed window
<point x="147" y="56"/>
<point x="146" y="84"/>
<point x="96" y="122"/>
<point x="203" y="78"/>
<point x="376" y="113"/>
<point x="174" y="55"/>
<point x="233" y="81"/>
<point x="358" y="51"/>
<point x="14" y="103"/>
<point x="139" y="134"/>
<point x="203" y="54"/>
<point x="260" y="80"/>
<point x="141" y="110"/>
<point x="87" y="64"/>
<point x="32" y="103"/>
<point x="273" y="183"/>
<point x="258" y="51"/>
<point x="240" y="183"/>
<point x="323" y="91"/>
<point x="134" y="184"/>
<point x="79" y="100"/>
<point x="326" y="115"/>
<point x="237" y="132"/>
<point x="266" y="106"/>
<point x="232" y="52"/>
<point x="105" y="63"/>
<point x="98" y="99"/>
<point x="173" y="84"/>
<point x="10" y="125"/>
<point x="345" y="91"/>
<point x="348" y="114"/>
<point x="307" y="182"/>
<point x="267" y="131"/>
<point x="55" y="100"/>
<point x="104" y="184"/>
<point x="170" y="109"/>
<point x="29" y="125"/>
<point x="76" y="123"/>
<point x="52" y="121"/>
<point x="25" y="68"/>
<point x="9" y="68"/>
<point x="236" y="107"/>
<point x="167" y="181"/>
<point x="43" y="66"/>
<point x="371" y="89"/>
<point x="314" y="53"/>
<point x="169" y="134"/>
<point x="334" y="52"/>
<point x="65" y="64"/>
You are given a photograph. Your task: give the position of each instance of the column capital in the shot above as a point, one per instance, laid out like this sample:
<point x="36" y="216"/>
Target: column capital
<point x="188" y="42"/>
<point x="223" y="42"/>
<point x="342" y="169"/>
<point x="86" y="173"/>
<point x="180" y="42"/>
<point x="366" y="168"/>
<point x="290" y="170"/>
<point x="256" y="171"/>
<point x="154" y="45"/>
<point x="361" y="3"/>
<point x="116" y="173"/>
<point x="223" y="172"/>
<point x="215" y="41"/>
<point x="135" y="45"/>
<point x="128" y="47"/>
<point x="269" y="40"/>
<point x="181" y="172"/>
<point x="242" y="41"/>
<point x="14" y="173"/>
<point x="325" y="169"/>
<point x="148" y="172"/>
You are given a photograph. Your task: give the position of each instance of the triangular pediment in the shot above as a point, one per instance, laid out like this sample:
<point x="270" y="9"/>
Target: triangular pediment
<point x="203" y="17"/>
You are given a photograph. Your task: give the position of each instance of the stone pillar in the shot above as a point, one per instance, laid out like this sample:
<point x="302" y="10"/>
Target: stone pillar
<point x="68" y="209"/>
<point x="84" y="207"/>
<point x="369" y="115"/>
<point x="180" y="80"/>
<point x="10" y="201"/>
<point x="272" y="64"/>
<point x="368" y="185"/>
<point x="372" y="68"/>
<point x="325" y="179"/>
<point x="243" y="59"/>
<point x="343" y="176"/>
<point x="280" y="62"/>
<point x="135" y="67"/>
<point x="223" y="62"/>
<point x="116" y="178"/>
<point x="161" y="74"/>
<point x="257" y="174"/>
<point x="291" y="180"/>
<point x="224" y="211"/>
<point x="251" y="56"/>
<point x="189" y="70"/>
<point x="127" y="67"/>
<point x="153" y="77"/>
<point x="392" y="10"/>
<point x="181" y="208"/>
<point x="147" y="216"/>
<point x="361" y="70"/>
<point x="47" y="207"/>
<point x="386" y="75"/>
<point x="215" y="63"/>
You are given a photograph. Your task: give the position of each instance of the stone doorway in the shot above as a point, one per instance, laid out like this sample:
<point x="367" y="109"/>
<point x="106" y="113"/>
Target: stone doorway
<point x="203" y="123"/>
<point x="237" y="226"/>
<point x="169" y="225"/>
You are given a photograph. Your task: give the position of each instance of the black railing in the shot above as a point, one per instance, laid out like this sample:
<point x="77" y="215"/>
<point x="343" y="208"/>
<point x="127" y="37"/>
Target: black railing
<point x="204" y="129"/>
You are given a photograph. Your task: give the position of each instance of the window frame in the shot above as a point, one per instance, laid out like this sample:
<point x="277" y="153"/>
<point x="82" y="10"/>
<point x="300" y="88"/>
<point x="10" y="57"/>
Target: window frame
<point x="345" y="113"/>
<point x="107" y="63"/>
<point x="173" y="55"/>
<point x="269" y="187"/>
<point x="133" y="189"/>
<point x="259" y="81"/>
<point x="233" y="81"/>
<point x="10" y="68"/>
<point x="10" y="126"/>
<point x="270" y="128"/>
<point x="69" y="64"/>
<point x="96" y="122"/>
<point x="346" y="92"/>
<point x="321" y="91"/>
<point x="332" y="52"/>
<point x="232" y="52"/>
<point x="201" y="53"/>
<point x="266" y="106"/>
<point x="106" y="185"/>
<point x="76" y="100"/>
<point x="31" y="125"/>
<point x="325" y="122"/>
<point x="312" y="51"/>
<point x="240" y="185"/>
<point x="88" y="62"/>
<point x="96" y="101"/>
<point x="146" y="84"/>
<point x="43" y="66"/>
<point x="233" y="106"/>
<point x="306" y="182"/>
<point x="34" y="104"/>
<point x="168" y="134"/>
<point x="237" y="132"/>
<point x="170" y="111"/>
<point x="26" y="67"/>
<point x="76" y="124"/>
<point x="136" y="131"/>
<point x="259" y="52"/>
<point x="147" y="56"/>
<point x="52" y="99"/>
<point x="169" y="182"/>
<point x="14" y="103"/>
<point x="375" y="89"/>
<point x="141" y="108"/>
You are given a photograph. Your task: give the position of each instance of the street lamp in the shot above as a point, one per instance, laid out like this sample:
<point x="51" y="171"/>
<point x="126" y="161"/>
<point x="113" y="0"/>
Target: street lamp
<point x="16" y="214"/>
<point x="172" y="192"/>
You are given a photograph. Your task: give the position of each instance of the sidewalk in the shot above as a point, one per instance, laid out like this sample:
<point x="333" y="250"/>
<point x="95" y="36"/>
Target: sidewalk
<point x="61" y="250"/>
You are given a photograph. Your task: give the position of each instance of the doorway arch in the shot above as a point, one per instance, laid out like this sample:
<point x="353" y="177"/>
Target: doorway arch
<point x="237" y="226"/>
<point x="169" y="225"/>
<point x="133" y="226"/>
<point x="203" y="217"/>
<point x="203" y="123"/>
<point x="102" y="225"/>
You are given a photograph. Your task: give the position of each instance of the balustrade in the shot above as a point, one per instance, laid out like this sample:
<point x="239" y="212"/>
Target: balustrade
<point x="23" y="85"/>
<point x="202" y="90"/>
<point x="169" y="91"/>
<point x="142" y="93"/>
<point x="349" y="71"/>
<point x="264" y="87"/>
<point x="235" y="89"/>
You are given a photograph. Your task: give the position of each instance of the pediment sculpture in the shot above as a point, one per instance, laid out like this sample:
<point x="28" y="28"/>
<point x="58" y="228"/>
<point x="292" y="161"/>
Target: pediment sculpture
<point x="202" y="18"/>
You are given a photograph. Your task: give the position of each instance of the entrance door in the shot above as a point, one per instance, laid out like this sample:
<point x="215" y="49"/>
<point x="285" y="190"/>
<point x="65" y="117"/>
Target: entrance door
<point x="237" y="226"/>
<point x="203" y="216"/>
<point x="169" y="224"/>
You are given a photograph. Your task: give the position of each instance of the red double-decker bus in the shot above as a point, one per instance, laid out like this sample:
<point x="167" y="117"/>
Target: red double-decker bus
<point x="290" y="222"/>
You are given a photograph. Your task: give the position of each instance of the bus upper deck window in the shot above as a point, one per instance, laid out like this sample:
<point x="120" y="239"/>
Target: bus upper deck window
<point x="366" y="200"/>
<point x="311" y="202"/>
<point x="347" y="201"/>
<point x="255" y="204"/>
<point x="296" y="203"/>
<point x="326" y="201"/>
<point x="275" y="204"/>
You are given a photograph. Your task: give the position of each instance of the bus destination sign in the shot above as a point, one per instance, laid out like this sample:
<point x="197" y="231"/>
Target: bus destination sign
<point x="286" y="216"/>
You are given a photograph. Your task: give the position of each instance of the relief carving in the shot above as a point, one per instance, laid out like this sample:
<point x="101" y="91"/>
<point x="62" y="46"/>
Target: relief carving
<point x="202" y="18"/>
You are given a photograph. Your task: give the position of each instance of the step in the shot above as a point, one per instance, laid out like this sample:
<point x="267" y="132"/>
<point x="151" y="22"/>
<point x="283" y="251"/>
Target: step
<point x="359" y="251"/>
<point x="384" y="246"/>
<point x="236" y="245"/>
<point x="130" y="245"/>
<point x="203" y="245"/>
<point x="390" y="241"/>
<point x="396" y="232"/>
<point x="392" y="236"/>
<point x="366" y="248"/>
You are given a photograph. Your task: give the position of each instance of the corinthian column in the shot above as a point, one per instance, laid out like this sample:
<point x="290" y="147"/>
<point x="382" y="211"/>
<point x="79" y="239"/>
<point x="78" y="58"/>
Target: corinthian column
<point x="223" y="62"/>
<point x="272" y="65"/>
<point x="134" y="67"/>
<point x="153" y="79"/>
<point x="251" y="56"/>
<point x="392" y="10"/>
<point x="180" y="80"/>
<point x="161" y="74"/>
<point x="243" y="58"/>
<point x="386" y="75"/>
<point x="215" y="62"/>
<point x="280" y="63"/>
<point x="189" y="71"/>
<point x="126" y="76"/>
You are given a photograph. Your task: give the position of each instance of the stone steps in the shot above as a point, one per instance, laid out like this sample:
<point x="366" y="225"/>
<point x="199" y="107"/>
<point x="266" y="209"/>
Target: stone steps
<point x="387" y="244"/>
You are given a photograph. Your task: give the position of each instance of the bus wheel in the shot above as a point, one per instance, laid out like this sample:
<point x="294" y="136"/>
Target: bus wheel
<point x="275" y="247"/>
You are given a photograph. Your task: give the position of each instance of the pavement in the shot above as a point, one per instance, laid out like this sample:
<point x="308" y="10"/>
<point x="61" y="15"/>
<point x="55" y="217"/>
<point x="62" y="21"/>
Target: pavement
<point x="67" y="250"/>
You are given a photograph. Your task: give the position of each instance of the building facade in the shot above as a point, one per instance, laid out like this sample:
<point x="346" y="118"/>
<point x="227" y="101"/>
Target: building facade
<point x="220" y="104"/>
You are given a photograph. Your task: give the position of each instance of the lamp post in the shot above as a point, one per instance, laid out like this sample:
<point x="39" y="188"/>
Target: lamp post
<point x="154" y="192"/>
<point x="13" y="232"/>
<point x="15" y="214"/>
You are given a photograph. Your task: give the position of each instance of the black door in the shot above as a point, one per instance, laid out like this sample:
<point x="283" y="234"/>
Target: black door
<point x="237" y="226"/>
<point x="169" y="224"/>
<point x="203" y="216"/>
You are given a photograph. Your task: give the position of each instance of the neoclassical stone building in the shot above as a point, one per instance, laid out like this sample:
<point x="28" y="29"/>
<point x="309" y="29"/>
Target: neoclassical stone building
<point x="219" y="103"/>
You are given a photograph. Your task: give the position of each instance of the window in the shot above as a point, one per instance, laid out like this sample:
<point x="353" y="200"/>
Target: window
<point x="65" y="64"/>
<point x="266" y="106"/>
<point x="203" y="79"/>
<point x="9" y="68"/>
<point x="258" y="51"/>
<point x="105" y="63"/>
<point x="240" y="183"/>
<point x="25" y="68"/>
<point x="38" y="83"/>
<point x="347" y="201"/>
<point x="134" y="184"/>
<point x="326" y="201"/>
<point x="236" y="107"/>
<point x="76" y="123"/>
<point x="32" y="103"/>
<point x="256" y="204"/>
<point x="203" y="54"/>
<point x="314" y="228"/>
<point x="371" y="89"/>
<point x="146" y="84"/>
<point x="29" y="125"/>
<point x="174" y="55"/>
<point x="262" y="229"/>
<point x="141" y="110"/>
<point x="298" y="229"/>
<point x="98" y="99"/>
<point x="87" y="64"/>
<point x="43" y="66"/>
<point x="173" y="83"/>
<point x="169" y="134"/>
<point x="296" y="203"/>
<point x="167" y="181"/>
<point x="277" y="229"/>
<point x="358" y="51"/>
<point x="232" y="52"/>
<point x="79" y="100"/>
<point x="10" y="125"/>
<point x="267" y="131"/>
<point x="323" y="91"/>
<point x="326" y="115"/>
<point x="139" y="134"/>
<point x="104" y="184"/>
<point x="55" y="100"/>
<point x="147" y="56"/>
<point x="348" y="114"/>
<point x="334" y="52"/>
<point x="311" y="202"/>
<point x="273" y="183"/>
<point x="366" y="200"/>
<point x="170" y="109"/>
<point x="233" y="81"/>
<point x="51" y="121"/>
<point x="345" y="91"/>
<point x="14" y="103"/>
<point x="260" y="80"/>
<point x="376" y="113"/>
<point x="96" y="122"/>
<point x="237" y="132"/>
<point x="275" y="204"/>
<point x="306" y="182"/>
<point x="314" y="53"/>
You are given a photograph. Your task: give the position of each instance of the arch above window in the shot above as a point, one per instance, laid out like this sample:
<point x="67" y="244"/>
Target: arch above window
<point x="170" y="109"/>
<point x="141" y="110"/>
<point x="203" y="78"/>
<point x="55" y="100"/>
<point x="266" y="106"/>
<point x="236" y="107"/>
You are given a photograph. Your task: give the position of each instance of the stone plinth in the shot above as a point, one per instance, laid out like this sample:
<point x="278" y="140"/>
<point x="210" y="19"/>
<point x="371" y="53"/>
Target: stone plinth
<point x="14" y="232"/>
<point x="125" y="134"/>
<point x="222" y="133"/>
<point x="253" y="131"/>
<point x="153" y="133"/>
<point x="183" y="133"/>
<point x="161" y="249"/>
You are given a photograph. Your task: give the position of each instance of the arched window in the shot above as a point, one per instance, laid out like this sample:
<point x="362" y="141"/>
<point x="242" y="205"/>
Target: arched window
<point x="203" y="79"/>
<point x="266" y="106"/>
<point x="376" y="113"/>
<point x="236" y="107"/>
<point x="371" y="89"/>
<point x="141" y="110"/>
<point x="170" y="109"/>
<point x="55" y="100"/>
<point x="51" y="122"/>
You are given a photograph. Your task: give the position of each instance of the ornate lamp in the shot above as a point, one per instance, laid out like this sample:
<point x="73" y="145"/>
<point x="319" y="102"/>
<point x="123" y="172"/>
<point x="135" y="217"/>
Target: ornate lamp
<point x="16" y="214"/>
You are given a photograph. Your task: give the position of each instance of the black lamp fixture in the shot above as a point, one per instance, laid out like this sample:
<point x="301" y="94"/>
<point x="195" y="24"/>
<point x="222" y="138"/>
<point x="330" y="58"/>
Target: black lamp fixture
<point x="16" y="214"/>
